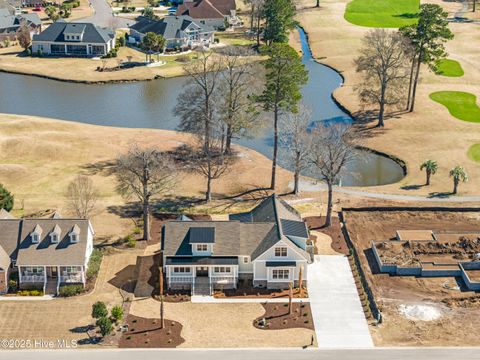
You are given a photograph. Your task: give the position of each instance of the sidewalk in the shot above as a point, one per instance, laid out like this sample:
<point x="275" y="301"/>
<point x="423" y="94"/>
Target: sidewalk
<point x="211" y="299"/>
<point x="336" y="308"/>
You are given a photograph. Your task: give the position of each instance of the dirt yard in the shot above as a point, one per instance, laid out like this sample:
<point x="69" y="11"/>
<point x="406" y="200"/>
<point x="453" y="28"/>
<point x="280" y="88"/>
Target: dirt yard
<point x="222" y="325"/>
<point x="428" y="133"/>
<point x="38" y="171"/>
<point x="457" y="325"/>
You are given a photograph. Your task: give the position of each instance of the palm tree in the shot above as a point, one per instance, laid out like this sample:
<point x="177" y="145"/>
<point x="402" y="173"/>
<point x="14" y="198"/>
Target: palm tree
<point x="458" y="174"/>
<point x="430" y="167"/>
<point x="153" y="43"/>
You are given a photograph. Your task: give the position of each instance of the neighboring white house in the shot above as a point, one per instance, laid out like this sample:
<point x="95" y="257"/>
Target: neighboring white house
<point x="178" y="31"/>
<point x="73" y="39"/>
<point x="47" y="253"/>
<point x="214" y="13"/>
<point x="267" y="246"/>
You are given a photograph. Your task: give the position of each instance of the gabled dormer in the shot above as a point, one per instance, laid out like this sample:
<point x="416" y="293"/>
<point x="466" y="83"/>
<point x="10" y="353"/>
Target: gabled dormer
<point x="36" y="234"/>
<point x="55" y="234"/>
<point x="74" y="234"/>
<point x="74" y="32"/>
<point x="202" y="240"/>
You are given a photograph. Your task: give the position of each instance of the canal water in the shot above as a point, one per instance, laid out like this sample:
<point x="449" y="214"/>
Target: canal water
<point x="150" y="104"/>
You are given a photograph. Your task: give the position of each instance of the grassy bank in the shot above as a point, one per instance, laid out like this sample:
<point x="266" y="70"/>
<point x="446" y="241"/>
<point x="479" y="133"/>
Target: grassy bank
<point x="382" y="13"/>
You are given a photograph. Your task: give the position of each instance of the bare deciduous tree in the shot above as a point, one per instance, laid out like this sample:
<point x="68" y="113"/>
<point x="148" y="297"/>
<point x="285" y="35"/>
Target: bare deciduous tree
<point x="295" y="137"/>
<point x="82" y="196"/>
<point x="384" y="63"/>
<point x="23" y="36"/>
<point x="145" y="173"/>
<point x="332" y="150"/>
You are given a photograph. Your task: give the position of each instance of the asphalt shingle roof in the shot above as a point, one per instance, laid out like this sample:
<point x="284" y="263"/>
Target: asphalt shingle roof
<point x="169" y="26"/>
<point x="206" y="9"/>
<point x="91" y="34"/>
<point x="202" y="260"/>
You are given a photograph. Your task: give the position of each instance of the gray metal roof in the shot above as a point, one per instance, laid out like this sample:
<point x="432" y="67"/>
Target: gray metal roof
<point x="91" y="34"/>
<point x="280" y="263"/>
<point x="201" y="235"/>
<point x="294" y="228"/>
<point x="202" y="260"/>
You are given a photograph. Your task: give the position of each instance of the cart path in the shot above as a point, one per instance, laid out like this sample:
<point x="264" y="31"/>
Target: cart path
<point x="336" y="308"/>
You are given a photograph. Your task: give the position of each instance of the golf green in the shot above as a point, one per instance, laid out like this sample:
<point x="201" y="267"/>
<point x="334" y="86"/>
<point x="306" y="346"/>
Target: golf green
<point x="382" y="13"/>
<point x="474" y="152"/>
<point x="461" y="105"/>
<point x="449" y="67"/>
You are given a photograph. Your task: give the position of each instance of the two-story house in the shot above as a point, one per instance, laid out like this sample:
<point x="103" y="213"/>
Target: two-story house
<point x="178" y="32"/>
<point x="267" y="246"/>
<point x="46" y="253"/>
<point x="215" y="13"/>
<point x="73" y="39"/>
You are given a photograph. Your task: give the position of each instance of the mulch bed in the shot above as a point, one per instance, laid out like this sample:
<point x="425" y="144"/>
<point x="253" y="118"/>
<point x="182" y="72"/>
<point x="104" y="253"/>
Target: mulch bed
<point x="245" y="290"/>
<point x="146" y="333"/>
<point x="277" y="318"/>
<point x="175" y="296"/>
<point x="334" y="231"/>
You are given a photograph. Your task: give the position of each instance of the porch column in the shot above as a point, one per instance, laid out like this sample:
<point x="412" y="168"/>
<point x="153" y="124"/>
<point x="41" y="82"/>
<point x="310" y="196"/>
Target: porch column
<point x="19" y="275"/>
<point x="83" y="275"/>
<point x="59" y="276"/>
<point x="44" y="278"/>
<point x="65" y="47"/>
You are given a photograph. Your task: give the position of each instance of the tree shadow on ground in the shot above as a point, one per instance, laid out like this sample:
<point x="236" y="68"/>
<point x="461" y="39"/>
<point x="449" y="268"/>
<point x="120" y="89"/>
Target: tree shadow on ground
<point x="104" y="168"/>
<point x="440" y="195"/>
<point x="407" y="15"/>
<point x="82" y="329"/>
<point x="124" y="279"/>
<point x="412" y="187"/>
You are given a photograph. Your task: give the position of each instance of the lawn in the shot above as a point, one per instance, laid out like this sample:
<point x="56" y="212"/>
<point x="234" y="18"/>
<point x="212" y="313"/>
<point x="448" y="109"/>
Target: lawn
<point x="382" y="13"/>
<point x="461" y="105"/>
<point x="474" y="152"/>
<point x="449" y="67"/>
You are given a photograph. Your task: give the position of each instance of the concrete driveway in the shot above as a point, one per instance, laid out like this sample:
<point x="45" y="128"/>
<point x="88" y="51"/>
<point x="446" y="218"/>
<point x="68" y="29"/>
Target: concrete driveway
<point x="104" y="17"/>
<point x="336" y="308"/>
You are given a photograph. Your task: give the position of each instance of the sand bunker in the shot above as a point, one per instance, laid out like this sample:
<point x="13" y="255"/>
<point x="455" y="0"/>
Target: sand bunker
<point x="420" y="312"/>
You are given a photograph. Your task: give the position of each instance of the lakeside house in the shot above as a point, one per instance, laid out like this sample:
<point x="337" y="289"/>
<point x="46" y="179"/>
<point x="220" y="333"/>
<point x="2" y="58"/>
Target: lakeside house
<point x="267" y="247"/>
<point x="46" y="253"/>
<point x="11" y="21"/>
<point x="215" y="13"/>
<point x="74" y="39"/>
<point x="178" y="32"/>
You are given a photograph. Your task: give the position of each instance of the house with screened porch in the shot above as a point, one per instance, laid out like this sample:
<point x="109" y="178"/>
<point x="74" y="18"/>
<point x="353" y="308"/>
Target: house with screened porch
<point x="47" y="252"/>
<point x="267" y="247"/>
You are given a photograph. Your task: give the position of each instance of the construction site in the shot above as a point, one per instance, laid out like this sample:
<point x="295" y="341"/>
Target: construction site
<point x="422" y="267"/>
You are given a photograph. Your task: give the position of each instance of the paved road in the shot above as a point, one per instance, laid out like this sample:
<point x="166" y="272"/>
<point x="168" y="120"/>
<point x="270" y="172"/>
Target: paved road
<point x="336" y="308"/>
<point x="306" y="185"/>
<point x="103" y="16"/>
<point x="242" y="354"/>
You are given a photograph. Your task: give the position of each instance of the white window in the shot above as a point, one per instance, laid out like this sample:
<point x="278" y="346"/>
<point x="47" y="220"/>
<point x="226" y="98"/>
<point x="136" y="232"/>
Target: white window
<point x="35" y="238"/>
<point x="181" y="270"/>
<point x="245" y="259"/>
<point x="35" y="270"/>
<point x="222" y="269"/>
<point x="280" y="251"/>
<point x="280" y="274"/>
<point x="70" y="269"/>
<point x="54" y="238"/>
<point x="74" y="238"/>
<point x="202" y="247"/>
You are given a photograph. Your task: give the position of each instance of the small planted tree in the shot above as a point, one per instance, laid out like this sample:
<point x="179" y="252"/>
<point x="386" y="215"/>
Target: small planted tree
<point x="23" y="36"/>
<point x="116" y="313"/>
<point x="458" y="174"/>
<point x="105" y="325"/>
<point x="162" y="320"/>
<point x="6" y="199"/>
<point x="430" y="167"/>
<point x="290" y="298"/>
<point x="99" y="310"/>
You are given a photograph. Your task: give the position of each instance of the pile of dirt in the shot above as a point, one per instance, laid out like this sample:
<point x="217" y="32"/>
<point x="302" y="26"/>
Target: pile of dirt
<point x="463" y="302"/>
<point x="276" y="317"/>
<point x="464" y="248"/>
<point x="146" y="333"/>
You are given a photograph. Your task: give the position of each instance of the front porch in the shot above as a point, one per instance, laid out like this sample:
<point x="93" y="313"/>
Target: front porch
<point x="49" y="278"/>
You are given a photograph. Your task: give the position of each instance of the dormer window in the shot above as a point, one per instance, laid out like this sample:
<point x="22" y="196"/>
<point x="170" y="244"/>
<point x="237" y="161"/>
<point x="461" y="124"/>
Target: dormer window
<point x="55" y="234"/>
<point x="202" y="247"/>
<point x="54" y="238"/>
<point x="74" y="238"/>
<point x="74" y="234"/>
<point x="36" y="233"/>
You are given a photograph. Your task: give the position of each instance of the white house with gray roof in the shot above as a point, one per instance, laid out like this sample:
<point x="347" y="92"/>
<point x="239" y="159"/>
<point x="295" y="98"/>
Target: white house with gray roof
<point x="11" y="22"/>
<point x="268" y="246"/>
<point x="47" y="253"/>
<point x="73" y="39"/>
<point x="178" y="31"/>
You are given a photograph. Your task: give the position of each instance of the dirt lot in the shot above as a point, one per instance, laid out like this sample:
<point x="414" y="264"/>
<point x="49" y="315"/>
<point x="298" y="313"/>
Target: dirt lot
<point x="222" y="325"/>
<point x="39" y="171"/>
<point x="429" y="132"/>
<point x="457" y="325"/>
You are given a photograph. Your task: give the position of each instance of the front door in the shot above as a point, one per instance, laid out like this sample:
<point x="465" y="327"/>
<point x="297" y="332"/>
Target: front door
<point x="54" y="272"/>
<point x="202" y="271"/>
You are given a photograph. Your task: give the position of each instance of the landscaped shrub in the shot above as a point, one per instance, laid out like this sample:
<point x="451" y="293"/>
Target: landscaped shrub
<point x="94" y="263"/>
<point x="6" y="199"/>
<point x="33" y="292"/>
<point x="105" y="325"/>
<point x="99" y="310"/>
<point x="70" y="290"/>
<point x="131" y="242"/>
<point x="116" y="313"/>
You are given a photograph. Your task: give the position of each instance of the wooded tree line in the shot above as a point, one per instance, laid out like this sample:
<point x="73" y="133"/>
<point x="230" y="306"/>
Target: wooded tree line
<point x="391" y="61"/>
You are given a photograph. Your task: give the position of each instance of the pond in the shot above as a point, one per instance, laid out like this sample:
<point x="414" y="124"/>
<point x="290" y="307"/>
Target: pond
<point x="149" y="105"/>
